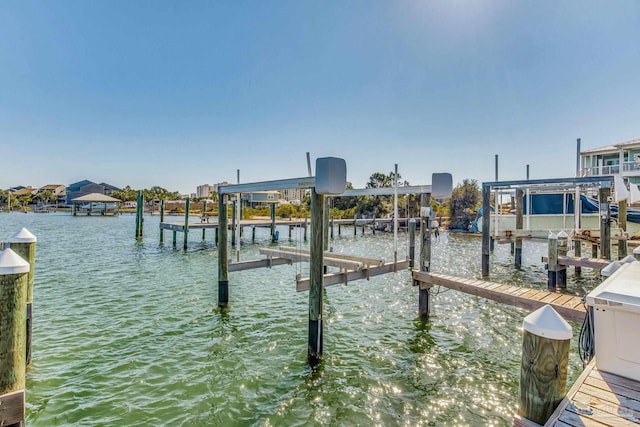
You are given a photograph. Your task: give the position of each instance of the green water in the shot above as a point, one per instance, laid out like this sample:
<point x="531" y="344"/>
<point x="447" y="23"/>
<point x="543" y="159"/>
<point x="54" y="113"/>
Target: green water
<point x="129" y="333"/>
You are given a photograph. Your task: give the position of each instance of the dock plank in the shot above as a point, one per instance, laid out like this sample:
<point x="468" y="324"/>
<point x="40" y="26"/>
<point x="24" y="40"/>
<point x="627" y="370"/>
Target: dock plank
<point x="530" y="299"/>
<point x="605" y="396"/>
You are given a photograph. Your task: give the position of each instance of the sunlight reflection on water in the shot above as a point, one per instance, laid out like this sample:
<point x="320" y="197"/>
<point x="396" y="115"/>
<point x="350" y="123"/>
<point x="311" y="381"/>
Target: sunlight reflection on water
<point x="129" y="333"/>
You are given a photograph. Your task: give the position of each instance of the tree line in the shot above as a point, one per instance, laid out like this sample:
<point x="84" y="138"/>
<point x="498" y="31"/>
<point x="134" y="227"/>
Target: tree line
<point x="458" y="211"/>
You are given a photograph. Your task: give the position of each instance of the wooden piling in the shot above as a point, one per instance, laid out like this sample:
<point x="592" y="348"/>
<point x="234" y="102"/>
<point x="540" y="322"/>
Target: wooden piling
<point x="517" y="252"/>
<point x="486" y="232"/>
<point x="204" y="218"/>
<point x="233" y="224"/>
<point x="561" y="270"/>
<point x="253" y="233"/>
<point x="623" y="249"/>
<point x="315" y="342"/>
<point x="425" y="253"/>
<point x="332" y="237"/>
<point x="14" y="279"/>
<point x="161" y="221"/>
<point x="545" y="361"/>
<point x="175" y="238"/>
<point x="24" y="244"/>
<point x="412" y="241"/>
<point x="552" y="262"/>
<point x="577" y="252"/>
<point x="605" y="221"/>
<point x="223" y="254"/>
<point x="273" y="222"/>
<point x="325" y="224"/>
<point x="139" y="215"/>
<point x="186" y="224"/>
<point x="355" y="226"/>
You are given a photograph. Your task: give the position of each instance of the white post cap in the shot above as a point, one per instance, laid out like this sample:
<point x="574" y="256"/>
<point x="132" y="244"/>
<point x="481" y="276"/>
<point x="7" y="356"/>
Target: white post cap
<point x="563" y="235"/>
<point x="628" y="259"/>
<point x="412" y="220"/>
<point x="610" y="269"/>
<point x="552" y="236"/>
<point x="22" y="236"/>
<point x="12" y="263"/>
<point x="546" y="322"/>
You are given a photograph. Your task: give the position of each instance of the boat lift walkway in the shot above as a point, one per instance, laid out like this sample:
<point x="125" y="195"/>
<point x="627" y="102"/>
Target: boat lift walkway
<point x="568" y="306"/>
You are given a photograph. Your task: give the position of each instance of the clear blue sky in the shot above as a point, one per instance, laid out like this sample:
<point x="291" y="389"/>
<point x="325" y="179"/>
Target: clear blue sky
<point x="183" y="93"/>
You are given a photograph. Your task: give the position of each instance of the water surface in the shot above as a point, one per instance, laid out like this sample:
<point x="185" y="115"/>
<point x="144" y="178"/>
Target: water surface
<point x="129" y="333"/>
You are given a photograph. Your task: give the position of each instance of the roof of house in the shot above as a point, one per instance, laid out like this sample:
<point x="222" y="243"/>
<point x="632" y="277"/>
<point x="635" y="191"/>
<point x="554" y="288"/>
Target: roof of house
<point x="614" y="147"/>
<point x="51" y="186"/>
<point x="23" y="191"/>
<point x="96" y="197"/>
<point x="109" y="186"/>
<point x="80" y="184"/>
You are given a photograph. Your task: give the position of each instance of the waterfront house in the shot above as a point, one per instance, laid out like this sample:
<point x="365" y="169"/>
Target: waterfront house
<point x="59" y="191"/>
<point x="82" y="188"/>
<point x="621" y="159"/>
<point x="260" y="198"/>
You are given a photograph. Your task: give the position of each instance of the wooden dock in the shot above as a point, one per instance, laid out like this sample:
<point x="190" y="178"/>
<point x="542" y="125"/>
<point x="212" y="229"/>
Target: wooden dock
<point x="598" y="399"/>
<point x="568" y="306"/>
<point x="193" y="225"/>
<point x="596" y="263"/>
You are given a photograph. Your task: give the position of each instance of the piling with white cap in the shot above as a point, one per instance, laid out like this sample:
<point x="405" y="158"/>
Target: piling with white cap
<point x="14" y="276"/>
<point x="545" y="360"/>
<point x="23" y="242"/>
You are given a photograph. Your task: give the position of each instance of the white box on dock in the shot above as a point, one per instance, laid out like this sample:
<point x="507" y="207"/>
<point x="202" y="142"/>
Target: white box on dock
<point x="616" y="303"/>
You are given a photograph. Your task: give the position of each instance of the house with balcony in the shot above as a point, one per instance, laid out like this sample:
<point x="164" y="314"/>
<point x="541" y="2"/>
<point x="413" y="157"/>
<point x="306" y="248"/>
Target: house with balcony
<point x="59" y="192"/>
<point x="621" y="159"/>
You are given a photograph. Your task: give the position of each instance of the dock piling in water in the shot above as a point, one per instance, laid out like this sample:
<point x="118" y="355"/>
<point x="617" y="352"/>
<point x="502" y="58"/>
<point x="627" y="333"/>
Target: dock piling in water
<point x="139" y="215"/>
<point x="605" y="220"/>
<point x="161" y="220"/>
<point x="315" y="336"/>
<point x="186" y="223"/>
<point x="425" y="253"/>
<point x="24" y="244"/>
<point x="517" y="252"/>
<point x="273" y="223"/>
<point x="561" y="269"/>
<point x="577" y="252"/>
<point x="14" y="279"/>
<point x="223" y="254"/>
<point x="545" y="360"/>
<point x="412" y="241"/>
<point x="552" y="262"/>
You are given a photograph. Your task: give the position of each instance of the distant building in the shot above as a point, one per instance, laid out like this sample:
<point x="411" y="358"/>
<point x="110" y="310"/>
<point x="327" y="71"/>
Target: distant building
<point x="206" y="190"/>
<point x="621" y="159"/>
<point x="293" y="195"/>
<point x="260" y="198"/>
<point x="21" y="191"/>
<point x="82" y="188"/>
<point x="58" y="190"/>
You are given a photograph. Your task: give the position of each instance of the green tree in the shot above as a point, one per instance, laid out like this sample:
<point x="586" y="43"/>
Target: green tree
<point x="466" y="199"/>
<point x="127" y="194"/>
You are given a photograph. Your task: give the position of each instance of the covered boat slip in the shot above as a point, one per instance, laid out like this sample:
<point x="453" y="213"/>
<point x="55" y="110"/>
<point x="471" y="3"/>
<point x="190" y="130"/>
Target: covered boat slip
<point x="602" y="225"/>
<point x="95" y="204"/>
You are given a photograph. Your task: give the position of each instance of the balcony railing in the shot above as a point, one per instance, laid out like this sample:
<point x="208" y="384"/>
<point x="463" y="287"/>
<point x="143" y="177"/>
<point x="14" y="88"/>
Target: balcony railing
<point x="611" y="169"/>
